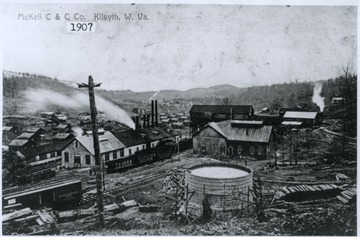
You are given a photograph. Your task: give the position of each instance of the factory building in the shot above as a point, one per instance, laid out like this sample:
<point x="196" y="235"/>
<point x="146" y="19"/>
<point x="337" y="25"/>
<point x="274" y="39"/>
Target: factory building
<point x="234" y="138"/>
<point x="200" y="115"/>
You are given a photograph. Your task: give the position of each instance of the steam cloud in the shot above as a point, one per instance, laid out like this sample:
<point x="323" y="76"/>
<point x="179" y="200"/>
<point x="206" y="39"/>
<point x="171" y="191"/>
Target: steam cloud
<point x="77" y="131"/>
<point x="317" y="99"/>
<point x="41" y="99"/>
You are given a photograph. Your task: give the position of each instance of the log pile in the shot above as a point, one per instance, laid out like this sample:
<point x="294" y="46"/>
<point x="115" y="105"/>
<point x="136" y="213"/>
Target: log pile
<point x="347" y="196"/>
<point x="303" y="190"/>
<point x="171" y="181"/>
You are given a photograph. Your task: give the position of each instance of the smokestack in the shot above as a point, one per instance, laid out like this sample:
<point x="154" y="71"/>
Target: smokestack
<point x="156" y="113"/>
<point x="152" y="114"/>
<point x="137" y="122"/>
<point x="148" y="120"/>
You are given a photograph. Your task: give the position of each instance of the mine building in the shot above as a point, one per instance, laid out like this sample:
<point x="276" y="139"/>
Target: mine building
<point x="234" y="138"/>
<point x="200" y="115"/>
<point x="80" y="152"/>
<point x="133" y="142"/>
<point x="307" y="119"/>
<point x="47" y="153"/>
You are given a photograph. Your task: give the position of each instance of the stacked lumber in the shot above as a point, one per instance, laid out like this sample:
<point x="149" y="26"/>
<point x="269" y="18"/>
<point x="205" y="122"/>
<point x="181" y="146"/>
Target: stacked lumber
<point x="284" y="191"/>
<point x="44" y="217"/>
<point x="16" y="214"/>
<point x="347" y="195"/>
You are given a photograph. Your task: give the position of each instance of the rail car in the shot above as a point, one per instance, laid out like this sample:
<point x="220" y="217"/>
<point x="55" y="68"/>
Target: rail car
<point x="163" y="151"/>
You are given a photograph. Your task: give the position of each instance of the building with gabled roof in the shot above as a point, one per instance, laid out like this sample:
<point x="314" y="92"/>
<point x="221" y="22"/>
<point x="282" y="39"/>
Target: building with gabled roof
<point x="307" y="118"/>
<point x="80" y="152"/>
<point x="234" y="138"/>
<point x="132" y="140"/>
<point x="43" y="154"/>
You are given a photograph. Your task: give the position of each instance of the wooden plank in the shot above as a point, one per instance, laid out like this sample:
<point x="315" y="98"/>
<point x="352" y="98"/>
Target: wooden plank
<point x="16" y="214"/>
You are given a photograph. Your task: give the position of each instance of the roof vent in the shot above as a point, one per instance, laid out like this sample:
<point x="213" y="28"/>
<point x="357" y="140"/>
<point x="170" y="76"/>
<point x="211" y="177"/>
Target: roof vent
<point x="155" y="132"/>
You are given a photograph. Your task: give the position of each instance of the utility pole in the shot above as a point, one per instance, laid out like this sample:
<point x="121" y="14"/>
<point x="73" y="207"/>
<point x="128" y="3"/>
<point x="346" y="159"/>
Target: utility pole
<point x="98" y="163"/>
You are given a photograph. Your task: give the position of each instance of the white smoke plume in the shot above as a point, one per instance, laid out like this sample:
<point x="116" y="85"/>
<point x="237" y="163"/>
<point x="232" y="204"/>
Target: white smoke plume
<point x="317" y="99"/>
<point x="77" y="131"/>
<point x="41" y="99"/>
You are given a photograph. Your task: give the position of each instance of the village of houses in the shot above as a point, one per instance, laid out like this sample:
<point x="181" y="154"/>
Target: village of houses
<point x="52" y="159"/>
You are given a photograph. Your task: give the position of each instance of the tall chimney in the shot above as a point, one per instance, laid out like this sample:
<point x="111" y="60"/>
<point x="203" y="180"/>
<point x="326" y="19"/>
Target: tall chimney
<point x="156" y="113"/>
<point x="152" y="113"/>
<point x="148" y="120"/>
<point x="144" y="121"/>
<point x="137" y="122"/>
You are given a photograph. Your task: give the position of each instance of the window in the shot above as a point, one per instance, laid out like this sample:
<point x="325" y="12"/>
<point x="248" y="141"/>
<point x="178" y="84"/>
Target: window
<point x="222" y="149"/>
<point x="137" y="149"/>
<point x="77" y="161"/>
<point x="58" y="153"/>
<point x="260" y="150"/>
<point x="130" y="152"/>
<point x="121" y="152"/>
<point x="230" y="151"/>
<point x="107" y="157"/>
<point x="76" y="144"/>
<point x="66" y="156"/>
<point x="114" y="155"/>
<point x="143" y="146"/>
<point x="87" y="159"/>
<point x="252" y="150"/>
<point x="203" y="149"/>
<point x="52" y="154"/>
<point x="42" y="156"/>
<point x="239" y="151"/>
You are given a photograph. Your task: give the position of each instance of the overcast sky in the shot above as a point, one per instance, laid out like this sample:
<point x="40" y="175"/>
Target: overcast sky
<point x="184" y="46"/>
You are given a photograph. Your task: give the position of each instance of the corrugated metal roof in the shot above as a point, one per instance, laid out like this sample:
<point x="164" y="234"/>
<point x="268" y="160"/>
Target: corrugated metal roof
<point x="238" y="109"/>
<point x="238" y="133"/>
<point x="300" y="114"/>
<point x="108" y="142"/>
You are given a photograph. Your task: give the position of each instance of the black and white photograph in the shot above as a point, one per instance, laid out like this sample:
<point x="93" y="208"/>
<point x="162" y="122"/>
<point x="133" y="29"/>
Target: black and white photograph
<point x="179" y="118"/>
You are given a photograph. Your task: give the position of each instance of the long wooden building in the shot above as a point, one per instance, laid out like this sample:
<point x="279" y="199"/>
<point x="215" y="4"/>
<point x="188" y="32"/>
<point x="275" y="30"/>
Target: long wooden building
<point x="234" y="138"/>
<point x="200" y="115"/>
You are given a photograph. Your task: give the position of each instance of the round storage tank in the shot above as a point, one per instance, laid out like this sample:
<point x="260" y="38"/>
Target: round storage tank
<point x="226" y="186"/>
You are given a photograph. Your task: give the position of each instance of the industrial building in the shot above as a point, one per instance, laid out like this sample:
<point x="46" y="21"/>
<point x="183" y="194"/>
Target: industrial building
<point x="200" y="115"/>
<point x="306" y="118"/>
<point x="234" y="138"/>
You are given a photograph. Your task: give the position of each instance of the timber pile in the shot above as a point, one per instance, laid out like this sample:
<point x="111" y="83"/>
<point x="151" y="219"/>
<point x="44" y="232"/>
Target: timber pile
<point x="30" y="222"/>
<point x="44" y="217"/>
<point x="171" y="182"/>
<point x="347" y="196"/>
<point x="302" y="191"/>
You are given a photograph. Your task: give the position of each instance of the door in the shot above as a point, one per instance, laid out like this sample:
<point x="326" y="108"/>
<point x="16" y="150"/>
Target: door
<point x="77" y="161"/>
